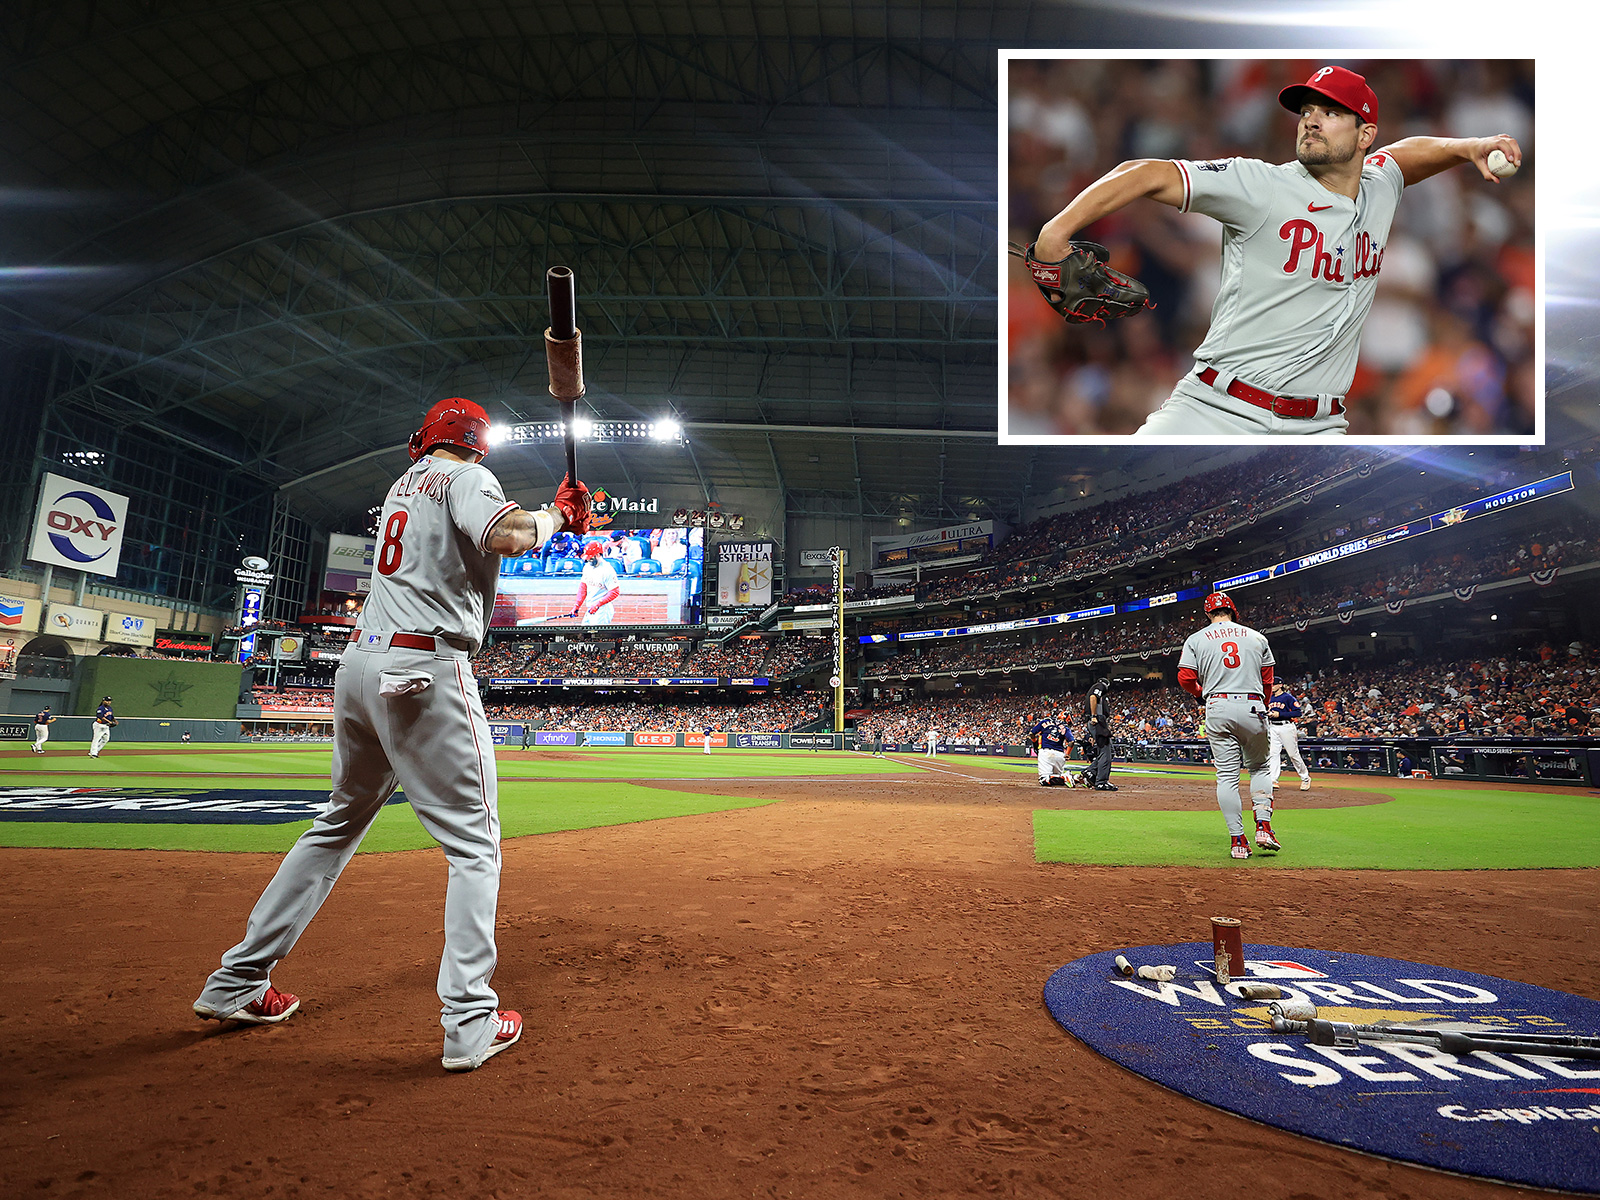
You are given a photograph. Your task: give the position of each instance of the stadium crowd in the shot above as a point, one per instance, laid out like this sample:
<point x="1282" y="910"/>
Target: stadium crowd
<point x="767" y="713"/>
<point x="1548" y="692"/>
<point x="1449" y="344"/>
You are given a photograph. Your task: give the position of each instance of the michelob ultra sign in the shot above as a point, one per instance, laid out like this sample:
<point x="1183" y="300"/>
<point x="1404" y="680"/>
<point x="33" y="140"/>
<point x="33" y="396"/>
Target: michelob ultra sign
<point x="744" y="574"/>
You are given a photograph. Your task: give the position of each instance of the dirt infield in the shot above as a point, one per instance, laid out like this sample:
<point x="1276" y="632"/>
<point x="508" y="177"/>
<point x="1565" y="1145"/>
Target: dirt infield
<point x="837" y="996"/>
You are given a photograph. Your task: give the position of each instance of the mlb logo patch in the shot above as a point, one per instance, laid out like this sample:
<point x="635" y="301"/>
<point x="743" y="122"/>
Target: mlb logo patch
<point x="374" y="639"/>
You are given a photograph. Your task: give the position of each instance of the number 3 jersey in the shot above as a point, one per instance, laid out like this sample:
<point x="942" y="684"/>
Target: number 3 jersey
<point x="1227" y="657"/>
<point x="431" y="571"/>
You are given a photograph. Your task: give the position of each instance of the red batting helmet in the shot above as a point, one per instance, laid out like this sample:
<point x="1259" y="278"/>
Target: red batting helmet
<point x="454" y="422"/>
<point x="593" y="550"/>
<point x="1220" y="600"/>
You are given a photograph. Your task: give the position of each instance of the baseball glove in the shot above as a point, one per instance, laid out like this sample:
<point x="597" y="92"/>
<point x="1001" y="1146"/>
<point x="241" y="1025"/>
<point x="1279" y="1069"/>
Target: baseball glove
<point x="1081" y="287"/>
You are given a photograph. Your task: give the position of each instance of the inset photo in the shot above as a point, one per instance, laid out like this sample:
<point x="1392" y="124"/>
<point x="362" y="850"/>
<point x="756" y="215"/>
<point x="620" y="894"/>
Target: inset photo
<point x="1235" y="250"/>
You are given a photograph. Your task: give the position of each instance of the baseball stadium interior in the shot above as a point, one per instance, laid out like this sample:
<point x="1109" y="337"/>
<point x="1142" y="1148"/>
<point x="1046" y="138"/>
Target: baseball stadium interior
<point x="781" y="890"/>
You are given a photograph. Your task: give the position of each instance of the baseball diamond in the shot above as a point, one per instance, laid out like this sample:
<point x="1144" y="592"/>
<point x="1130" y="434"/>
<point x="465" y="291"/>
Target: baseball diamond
<point x="715" y="758"/>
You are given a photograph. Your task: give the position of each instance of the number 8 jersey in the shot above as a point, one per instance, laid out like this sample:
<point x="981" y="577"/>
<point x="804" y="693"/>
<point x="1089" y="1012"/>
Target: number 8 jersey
<point x="432" y="572"/>
<point x="1227" y="657"/>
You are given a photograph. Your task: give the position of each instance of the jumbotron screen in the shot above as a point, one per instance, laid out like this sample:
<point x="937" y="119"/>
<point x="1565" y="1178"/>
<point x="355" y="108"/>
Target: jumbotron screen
<point x="608" y="577"/>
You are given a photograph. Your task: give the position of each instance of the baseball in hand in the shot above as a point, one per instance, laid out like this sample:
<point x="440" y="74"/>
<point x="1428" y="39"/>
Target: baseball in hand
<point x="1500" y="166"/>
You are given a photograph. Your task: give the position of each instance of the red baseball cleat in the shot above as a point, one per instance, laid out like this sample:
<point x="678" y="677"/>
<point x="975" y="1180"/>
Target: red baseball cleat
<point x="1264" y="838"/>
<point x="505" y="1037"/>
<point x="1240" y="847"/>
<point x="273" y="1007"/>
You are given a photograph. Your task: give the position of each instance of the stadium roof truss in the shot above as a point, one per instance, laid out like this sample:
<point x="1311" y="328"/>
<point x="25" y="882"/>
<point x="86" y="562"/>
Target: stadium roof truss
<point x="274" y="233"/>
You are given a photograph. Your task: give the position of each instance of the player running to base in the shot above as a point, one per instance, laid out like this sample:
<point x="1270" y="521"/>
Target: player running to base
<point x="1285" y="734"/>
<point x="599" y="589"/>
<point x="1302" y="244"/>
<point x="407" y="714"/>
<point x="41" y="729"/>
<point x="1228" y="668"/>
<point x="104" y="721"/>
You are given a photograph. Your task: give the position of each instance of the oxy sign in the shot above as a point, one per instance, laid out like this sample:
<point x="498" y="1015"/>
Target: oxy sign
<point x="78" y="525"/>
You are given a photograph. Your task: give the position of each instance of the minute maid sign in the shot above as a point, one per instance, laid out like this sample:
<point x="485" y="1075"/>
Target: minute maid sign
<point x="1512" y="1116"/>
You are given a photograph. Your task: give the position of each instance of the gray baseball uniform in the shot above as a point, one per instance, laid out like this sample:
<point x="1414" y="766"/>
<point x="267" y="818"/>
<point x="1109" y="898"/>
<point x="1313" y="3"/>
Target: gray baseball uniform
<point x="1228" y="657"/>
<point x="599" y="580"/>
<point x="1299" y="272"/>
<point x="407" y="714"/>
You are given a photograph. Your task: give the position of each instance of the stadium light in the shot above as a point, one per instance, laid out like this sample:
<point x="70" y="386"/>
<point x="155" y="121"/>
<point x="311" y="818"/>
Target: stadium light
<point x="586" y="429"/>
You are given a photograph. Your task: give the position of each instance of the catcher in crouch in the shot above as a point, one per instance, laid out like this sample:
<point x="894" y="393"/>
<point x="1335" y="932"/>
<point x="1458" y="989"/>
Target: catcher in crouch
<point x="1302" y="244"/>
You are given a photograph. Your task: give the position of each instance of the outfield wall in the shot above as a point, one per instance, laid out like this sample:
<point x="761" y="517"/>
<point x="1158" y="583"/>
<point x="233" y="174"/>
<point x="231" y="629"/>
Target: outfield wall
<point x="160" y="687"/>
<point x="128" y="729"/>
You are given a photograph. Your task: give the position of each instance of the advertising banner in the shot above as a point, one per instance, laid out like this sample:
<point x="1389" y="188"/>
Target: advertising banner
<point x="655" y="739"/>
<point x="349" y="564"/>
<point x="129" y="630"/>
<point x="9" y="646"/>
<point x="699" y="739"/>
<point x="758" y="741"/>
<point x="289" y="649"/>
<point x="78" y="525"/>
<point x="819" y="558"/>
<point x="196" y="643"/>
<point x="18" y="615"/>
<point x="813" y="741"/>
<point x="555" y="737"/>
<point x="66" y="620"/>
<point x="605" y="737"/>
<point x="744" y="574"/>
<point x="1555" y="485"/>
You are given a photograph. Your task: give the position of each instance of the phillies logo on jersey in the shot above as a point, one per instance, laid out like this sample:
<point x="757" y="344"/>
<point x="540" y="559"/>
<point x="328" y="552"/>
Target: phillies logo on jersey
<point x="1308" y="243"/>
<point x="76" y="536"/>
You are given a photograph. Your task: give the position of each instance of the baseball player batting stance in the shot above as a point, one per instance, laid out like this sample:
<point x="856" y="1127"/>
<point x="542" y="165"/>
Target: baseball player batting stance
<point x="406" y="713"/>
<point x="1228" y="668"/>
<point x="1285" y="734"/>
<point x="1302" y="243"/>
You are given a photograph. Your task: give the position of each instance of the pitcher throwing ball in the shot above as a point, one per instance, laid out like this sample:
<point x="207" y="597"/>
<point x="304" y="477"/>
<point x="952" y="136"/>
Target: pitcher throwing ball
<point x="407" y="713"/>
<point x="1302" y="244"/>
<point x="1228" y="668"/>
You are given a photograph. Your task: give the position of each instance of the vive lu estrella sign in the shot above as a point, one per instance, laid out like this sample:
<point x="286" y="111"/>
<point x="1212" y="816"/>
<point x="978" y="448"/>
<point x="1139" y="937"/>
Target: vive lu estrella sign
<point x="1518" y="1118"/>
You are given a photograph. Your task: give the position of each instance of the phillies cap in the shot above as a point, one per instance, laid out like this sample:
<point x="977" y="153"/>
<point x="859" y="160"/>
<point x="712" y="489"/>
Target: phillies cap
<point x="1339" y="85"/>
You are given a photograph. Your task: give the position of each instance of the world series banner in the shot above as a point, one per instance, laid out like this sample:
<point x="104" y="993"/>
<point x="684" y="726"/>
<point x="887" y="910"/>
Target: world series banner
<point x="744" y="574"/>
<point x="78" y="525"/>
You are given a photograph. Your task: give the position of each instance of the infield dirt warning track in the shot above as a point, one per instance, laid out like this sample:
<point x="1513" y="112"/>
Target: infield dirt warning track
<point x="838" y="995"/>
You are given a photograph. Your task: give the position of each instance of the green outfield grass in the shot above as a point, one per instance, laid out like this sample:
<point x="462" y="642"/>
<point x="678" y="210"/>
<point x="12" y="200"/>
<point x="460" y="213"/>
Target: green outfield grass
<point x="1422" y="828"/>
<point x="316" y="762"/>
<point x="525" y="808"/>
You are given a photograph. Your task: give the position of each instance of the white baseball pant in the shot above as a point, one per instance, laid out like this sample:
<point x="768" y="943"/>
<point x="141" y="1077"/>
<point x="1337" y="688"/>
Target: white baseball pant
<point x="1285" y="739"/>
<point x="98" y="739"/>
<point x="1051" y="763"/>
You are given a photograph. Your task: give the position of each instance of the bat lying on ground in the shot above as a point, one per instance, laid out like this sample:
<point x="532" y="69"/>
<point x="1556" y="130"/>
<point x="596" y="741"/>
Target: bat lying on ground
<point x="1452" y="1041"/>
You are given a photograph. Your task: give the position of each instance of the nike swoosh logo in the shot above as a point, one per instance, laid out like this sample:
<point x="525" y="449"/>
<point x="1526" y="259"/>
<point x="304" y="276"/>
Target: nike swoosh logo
<point x="1317" y="207"/>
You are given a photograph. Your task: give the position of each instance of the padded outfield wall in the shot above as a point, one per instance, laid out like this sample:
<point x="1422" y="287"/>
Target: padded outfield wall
<point x="158" y="687"/>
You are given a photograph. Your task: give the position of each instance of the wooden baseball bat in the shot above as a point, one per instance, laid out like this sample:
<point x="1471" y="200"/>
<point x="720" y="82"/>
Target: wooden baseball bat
<point x="563" y="351"/>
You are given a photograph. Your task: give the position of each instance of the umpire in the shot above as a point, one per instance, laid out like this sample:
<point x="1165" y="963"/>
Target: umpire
<point x="1098" y="734"/>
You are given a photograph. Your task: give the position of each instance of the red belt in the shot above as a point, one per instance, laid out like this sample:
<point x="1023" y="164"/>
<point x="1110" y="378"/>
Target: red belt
<point x="411" y="641"/>
<point x="1281" y="406"/>
<point x="1234" y="696"/>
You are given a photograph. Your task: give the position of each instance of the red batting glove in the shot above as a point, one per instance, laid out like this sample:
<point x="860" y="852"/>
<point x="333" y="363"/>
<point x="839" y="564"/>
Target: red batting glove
<point x="572" y="502"/>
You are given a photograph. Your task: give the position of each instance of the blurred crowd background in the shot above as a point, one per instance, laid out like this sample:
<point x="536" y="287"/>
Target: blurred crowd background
<point x="1448" y="347"/>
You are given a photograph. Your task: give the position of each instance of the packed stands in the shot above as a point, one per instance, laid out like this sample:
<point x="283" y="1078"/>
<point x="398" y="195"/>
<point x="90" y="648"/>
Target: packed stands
<point x="691" y="713"/>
